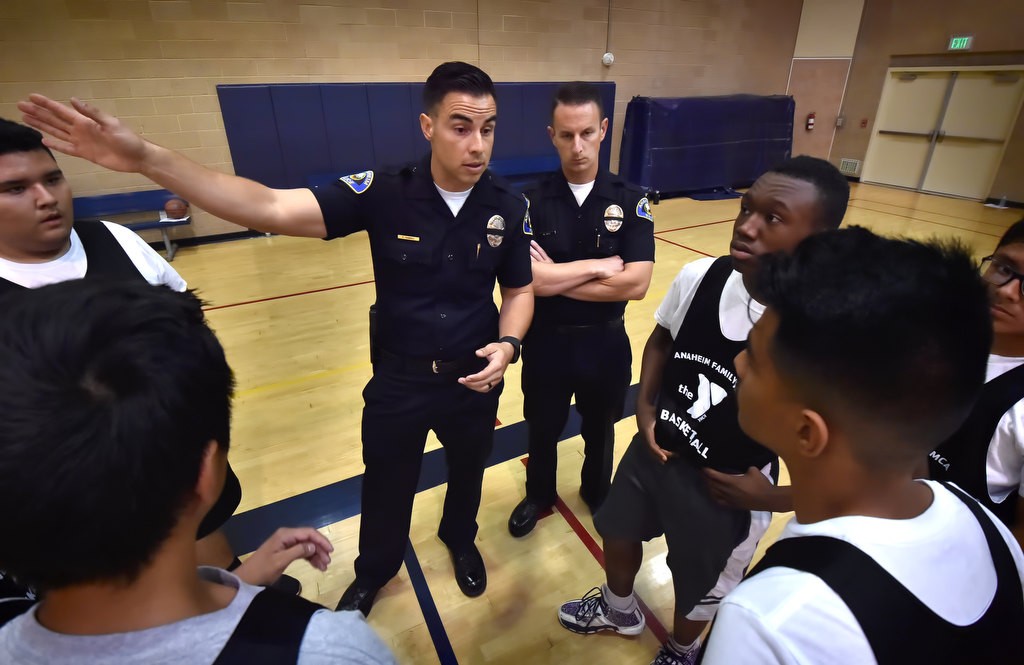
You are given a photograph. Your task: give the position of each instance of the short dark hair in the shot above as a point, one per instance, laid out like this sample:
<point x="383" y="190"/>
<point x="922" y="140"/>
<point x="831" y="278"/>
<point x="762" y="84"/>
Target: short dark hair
<point x="1013" y="234"/>
<point x="455" y="77"/>
<point x="893" y="333"/>
<point x="833" y="189"/>
<point x="577" y="93"/>
<point x="110" y="394"/>
<point x="15" y="137"/>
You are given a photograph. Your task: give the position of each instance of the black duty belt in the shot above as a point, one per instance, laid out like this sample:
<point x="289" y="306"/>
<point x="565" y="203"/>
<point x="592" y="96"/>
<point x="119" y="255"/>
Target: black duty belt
<point x="588" y="327"/>
<point x="469" y="364"/>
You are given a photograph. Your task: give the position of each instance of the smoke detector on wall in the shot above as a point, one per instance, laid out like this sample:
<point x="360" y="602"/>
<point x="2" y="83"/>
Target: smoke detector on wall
<point x="607" y="59"/>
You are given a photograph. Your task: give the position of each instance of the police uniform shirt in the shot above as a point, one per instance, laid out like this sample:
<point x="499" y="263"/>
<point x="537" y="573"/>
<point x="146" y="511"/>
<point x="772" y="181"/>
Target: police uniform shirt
<point x="614" y="220"/>
<point x="434" y="271"/>
<point x="782" y="615"/>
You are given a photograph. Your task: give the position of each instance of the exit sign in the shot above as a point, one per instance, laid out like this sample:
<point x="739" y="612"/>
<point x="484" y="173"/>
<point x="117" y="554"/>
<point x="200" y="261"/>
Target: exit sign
<point x="961" y="42"/>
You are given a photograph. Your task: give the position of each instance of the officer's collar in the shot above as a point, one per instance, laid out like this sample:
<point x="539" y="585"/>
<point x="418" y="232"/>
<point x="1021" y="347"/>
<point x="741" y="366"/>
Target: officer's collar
<point x="602" y="183"/>
<point x="423" y="186"/>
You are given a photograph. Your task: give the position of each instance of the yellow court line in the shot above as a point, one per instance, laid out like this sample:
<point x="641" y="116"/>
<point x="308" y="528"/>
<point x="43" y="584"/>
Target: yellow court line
<point x="294" y="381"/>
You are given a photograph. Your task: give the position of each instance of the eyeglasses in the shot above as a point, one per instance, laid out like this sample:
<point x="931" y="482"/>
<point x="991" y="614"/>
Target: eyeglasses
<point x="997" y="273"/>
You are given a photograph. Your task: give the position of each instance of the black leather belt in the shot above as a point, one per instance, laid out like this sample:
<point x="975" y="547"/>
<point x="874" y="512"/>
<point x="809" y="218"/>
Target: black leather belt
<point x="468" y="365"/>
<point x="604" y="325"/>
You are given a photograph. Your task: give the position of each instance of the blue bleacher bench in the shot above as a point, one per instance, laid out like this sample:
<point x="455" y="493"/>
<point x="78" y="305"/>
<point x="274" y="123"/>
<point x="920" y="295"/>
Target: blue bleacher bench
<point x="110" y="205"/>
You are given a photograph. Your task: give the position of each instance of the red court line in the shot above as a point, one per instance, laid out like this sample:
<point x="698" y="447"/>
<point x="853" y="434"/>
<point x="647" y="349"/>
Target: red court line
<point x="925" y="221"/>
<point x="287" y="295"/>
<point x="595" y="550"/>
<point x="683" y="246"/>
<point x="930" y="212"/>
<point x="581" y="532"/>
<point x="695" y="226"/>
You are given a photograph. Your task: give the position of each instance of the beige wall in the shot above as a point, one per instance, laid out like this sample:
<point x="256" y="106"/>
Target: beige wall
<point x="156" y="63"/>
<point x="900" y="27"/>
<point x="828" y="28"/>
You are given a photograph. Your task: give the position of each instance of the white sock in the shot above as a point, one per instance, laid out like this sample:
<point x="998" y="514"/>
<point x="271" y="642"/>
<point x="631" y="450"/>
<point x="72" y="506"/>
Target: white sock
<point x="625" y="604"/>
<point x="680" y="649"/>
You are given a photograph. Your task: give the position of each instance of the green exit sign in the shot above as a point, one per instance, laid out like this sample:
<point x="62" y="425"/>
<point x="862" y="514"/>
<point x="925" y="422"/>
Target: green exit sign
<point x="961" y="42"/>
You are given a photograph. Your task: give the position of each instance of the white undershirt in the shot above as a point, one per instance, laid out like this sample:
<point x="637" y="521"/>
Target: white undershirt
<point x="785" y="616"/>
<point x="73" y="264"/>
<point x="581" y="191"/>
<point x="737" y="311"/>
<point x="454" y="199"/>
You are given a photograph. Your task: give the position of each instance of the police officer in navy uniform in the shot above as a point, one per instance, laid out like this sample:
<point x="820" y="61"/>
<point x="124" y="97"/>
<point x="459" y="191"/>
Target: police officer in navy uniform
<point x="440" y="232"/>
<point x="592" y="251"/>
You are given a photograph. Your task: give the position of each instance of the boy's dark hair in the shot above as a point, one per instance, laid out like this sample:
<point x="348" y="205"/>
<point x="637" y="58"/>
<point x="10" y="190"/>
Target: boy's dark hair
<point x="110" y="394"/>
<point x="833" y="189"/>
<point x="455" y="77"/>
<point x="578" y="93"/>
<point x="1013" y="234"/>
<point x="15" y="137"/>
<point x="890" y="332"/>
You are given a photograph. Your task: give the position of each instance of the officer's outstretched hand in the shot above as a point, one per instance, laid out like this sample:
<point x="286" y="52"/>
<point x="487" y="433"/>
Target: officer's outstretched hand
<point x="499" y="355"/>
<point x="82" y="130"/>
<point x="645" y="419"/>
<point x="267" y="563"/>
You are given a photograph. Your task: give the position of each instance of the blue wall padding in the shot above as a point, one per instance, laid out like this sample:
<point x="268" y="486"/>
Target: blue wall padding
<point x="251" y="126"/>
<point x="689" y="144"/>
<point x="297" y="135"/>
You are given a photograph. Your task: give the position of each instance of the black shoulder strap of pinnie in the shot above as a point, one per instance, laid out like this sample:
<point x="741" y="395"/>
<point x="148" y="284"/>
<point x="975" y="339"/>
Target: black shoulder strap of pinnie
<point x="270" y="632"/>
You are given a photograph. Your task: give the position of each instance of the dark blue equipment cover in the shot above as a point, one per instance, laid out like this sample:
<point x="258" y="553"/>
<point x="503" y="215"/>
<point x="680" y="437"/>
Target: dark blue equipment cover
<point x="689" y="144"/>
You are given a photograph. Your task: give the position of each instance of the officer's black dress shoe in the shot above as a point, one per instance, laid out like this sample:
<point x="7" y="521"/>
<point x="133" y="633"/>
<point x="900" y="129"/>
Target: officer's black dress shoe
<point x="592" y="499"/>
<point x="358" y="596"/>
<point x="524" y="518"/>
<point x="470" y="572"/>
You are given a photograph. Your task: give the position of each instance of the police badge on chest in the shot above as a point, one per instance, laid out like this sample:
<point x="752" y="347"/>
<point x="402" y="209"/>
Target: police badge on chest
<point x="495" y="223"/>
<point x="613" y="218"/>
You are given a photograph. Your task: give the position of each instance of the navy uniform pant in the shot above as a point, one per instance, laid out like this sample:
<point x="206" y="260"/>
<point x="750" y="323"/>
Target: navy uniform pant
<point x="399" y="410"/>
<point x="592" y="362"/>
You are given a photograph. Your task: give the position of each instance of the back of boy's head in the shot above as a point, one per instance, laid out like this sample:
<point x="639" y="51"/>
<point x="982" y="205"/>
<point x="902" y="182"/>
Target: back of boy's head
<point x="891" y="335"/>
<point x="110" y="394"/>
<point x="1014" y="234"/>
<point x="833" y="189"/>
<point x="15" y="137"/>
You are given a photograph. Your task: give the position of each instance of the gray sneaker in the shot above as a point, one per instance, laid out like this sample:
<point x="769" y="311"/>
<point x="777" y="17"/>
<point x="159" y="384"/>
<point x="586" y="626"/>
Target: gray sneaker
<point x="668" y="656"/>
<point x="591" y="614"/>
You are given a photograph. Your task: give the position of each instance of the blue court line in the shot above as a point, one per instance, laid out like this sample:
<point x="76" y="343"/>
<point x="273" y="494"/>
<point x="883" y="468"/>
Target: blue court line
<point x="339" y="501"/>
<point x="431" y="616"/>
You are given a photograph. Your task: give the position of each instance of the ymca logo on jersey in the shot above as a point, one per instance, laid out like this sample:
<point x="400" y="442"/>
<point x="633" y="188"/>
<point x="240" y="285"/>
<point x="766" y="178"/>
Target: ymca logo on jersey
<point x="495" y="223"/>
<point x="613" y="218"/>
<point x="358" y="182"/>
<point x="709" y="394"/>
<point x="643" y="209"/>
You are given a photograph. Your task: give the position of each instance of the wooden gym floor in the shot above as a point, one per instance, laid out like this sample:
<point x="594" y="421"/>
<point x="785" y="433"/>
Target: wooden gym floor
<point x="292" y="314"/>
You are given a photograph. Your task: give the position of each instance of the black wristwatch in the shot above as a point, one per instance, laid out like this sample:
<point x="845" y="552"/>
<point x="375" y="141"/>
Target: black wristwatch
<point x="516" y="344"/>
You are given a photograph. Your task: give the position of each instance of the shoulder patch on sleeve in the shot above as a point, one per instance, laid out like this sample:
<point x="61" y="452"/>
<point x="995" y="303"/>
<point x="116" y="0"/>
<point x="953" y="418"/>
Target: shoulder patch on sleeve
<point x="358" y="182"/>
<point x="527" y="227"/>
<point x="643" y="209"/>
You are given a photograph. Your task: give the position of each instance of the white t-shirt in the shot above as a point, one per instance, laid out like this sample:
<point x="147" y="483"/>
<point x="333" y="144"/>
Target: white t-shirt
<point x="454" y="199"/>
<point x="73" y="263"/>
<point x="1005" y="463"/>
<point x="737" y="310"/>
<point x="331" y="638"/>
<point x="787" y="616"/>
<point x="581" y="192"/>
